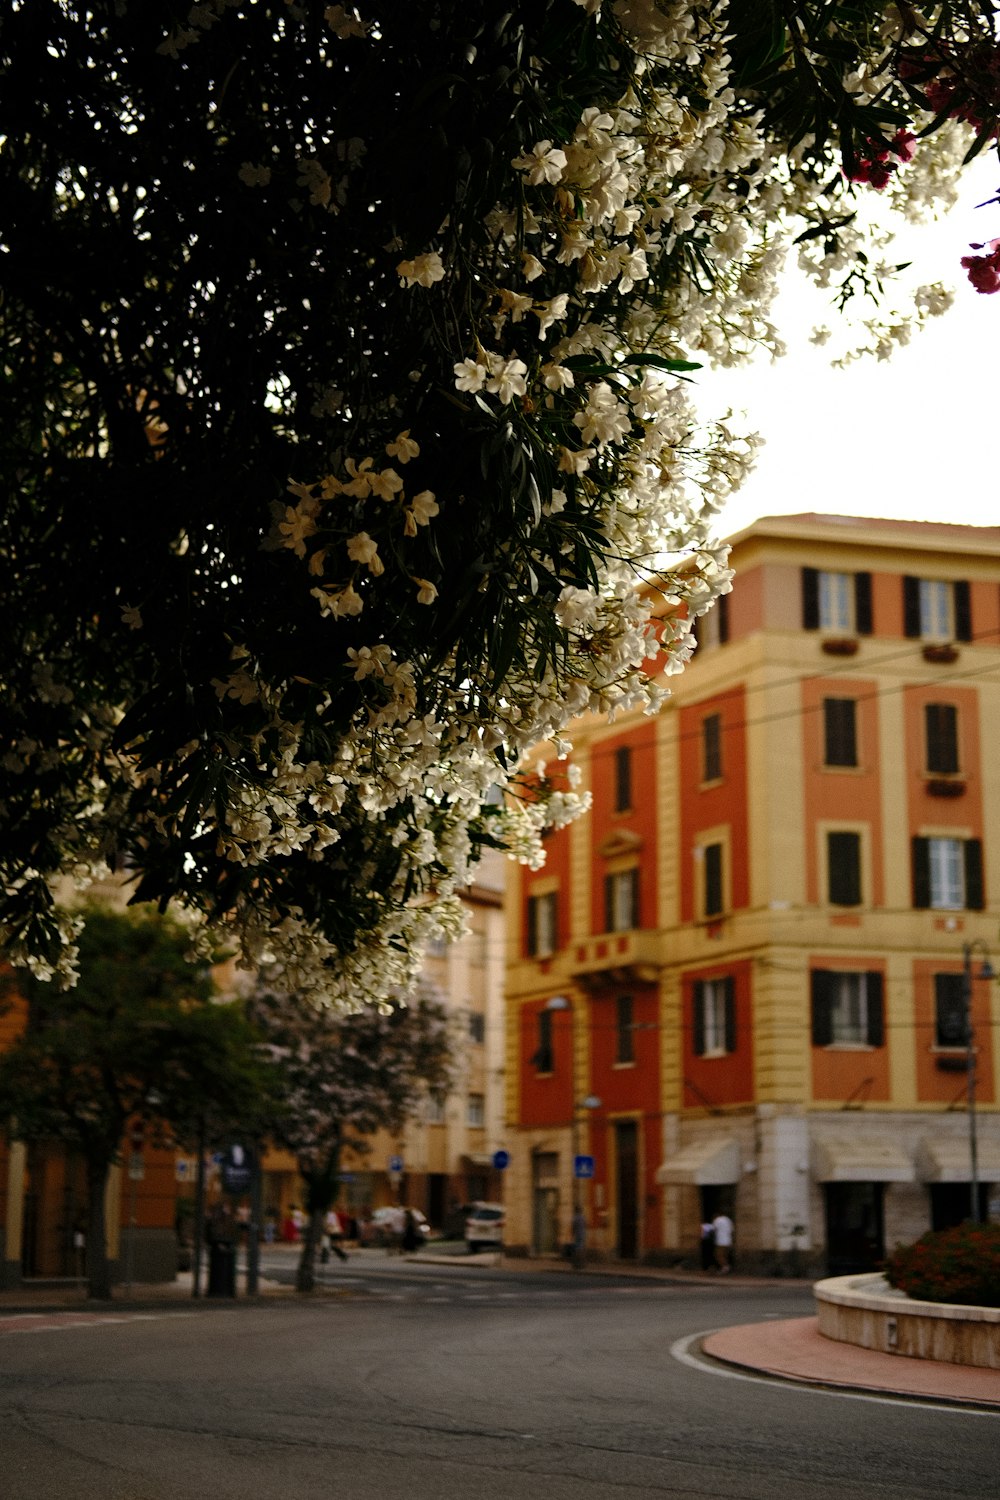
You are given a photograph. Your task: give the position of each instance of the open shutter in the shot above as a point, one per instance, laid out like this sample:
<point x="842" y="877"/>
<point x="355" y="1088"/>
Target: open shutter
<point x="713" y="880"/>
<point x="810" y="599"/>
<point x="822" y="1022"/>
<point x="698" y="1017"/>
<point x="730" y="1009"/>
<point x="863" y="603"/>
<point x="973" y="851"/>
<point x="876" y="1009"/>
<point x="921" y="873"/>
<point x="963" y="611"/>
<point x="911" y="607"/>
<point x="722" y="606"/>
<point x="532" y="926"/>
<point x="609" y="903"/>
<point x="633" y="896"/>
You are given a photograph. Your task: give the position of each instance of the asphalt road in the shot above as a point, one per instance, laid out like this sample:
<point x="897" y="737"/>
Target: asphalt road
<point x="452" y="1384"/>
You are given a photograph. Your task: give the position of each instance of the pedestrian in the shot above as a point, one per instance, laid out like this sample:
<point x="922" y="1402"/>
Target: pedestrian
<point x="334" y="1234"/>
<point x="579" y="1227"/>
<point x="722" y="1230"/>
<point x="411" y="1233"/>
<point x="707" y="1246"/>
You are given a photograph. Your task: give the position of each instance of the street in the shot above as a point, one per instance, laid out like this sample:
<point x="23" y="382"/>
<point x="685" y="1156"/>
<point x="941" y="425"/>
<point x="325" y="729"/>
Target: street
<point x="421" y="1382"/>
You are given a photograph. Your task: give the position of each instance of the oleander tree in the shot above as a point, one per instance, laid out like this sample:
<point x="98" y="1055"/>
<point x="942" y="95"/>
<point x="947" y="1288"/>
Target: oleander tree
<point x="138" y="1039"/>
<point x="346" y="438"/>
<point x="341" y="1079"/>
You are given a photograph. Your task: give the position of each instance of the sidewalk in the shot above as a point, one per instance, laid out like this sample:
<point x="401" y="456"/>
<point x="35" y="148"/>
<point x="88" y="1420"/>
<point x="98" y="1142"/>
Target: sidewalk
<point x="790" y="1349"/>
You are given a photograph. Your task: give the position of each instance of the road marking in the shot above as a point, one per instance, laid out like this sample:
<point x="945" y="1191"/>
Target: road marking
<point x="57" y="1322"/>
<point x="681" y="1351"/>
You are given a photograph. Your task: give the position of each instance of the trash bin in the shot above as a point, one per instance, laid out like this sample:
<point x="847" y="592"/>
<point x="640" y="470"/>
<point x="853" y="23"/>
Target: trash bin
<point x="221" y="1271"/>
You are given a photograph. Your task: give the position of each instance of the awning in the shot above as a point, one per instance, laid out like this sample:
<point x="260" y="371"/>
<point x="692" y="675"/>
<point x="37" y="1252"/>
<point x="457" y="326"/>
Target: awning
<point x="860" y="1158"/>
<point x="478" y="1158"/>
<point x="949" y="1159"/>
<point x="710" y="1162"/>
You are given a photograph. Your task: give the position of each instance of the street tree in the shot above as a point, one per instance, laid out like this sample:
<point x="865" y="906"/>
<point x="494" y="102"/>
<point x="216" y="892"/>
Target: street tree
<point x="138" y="1039"/>
<point x="346" y="435"/>
<point x="344" y="1077"/>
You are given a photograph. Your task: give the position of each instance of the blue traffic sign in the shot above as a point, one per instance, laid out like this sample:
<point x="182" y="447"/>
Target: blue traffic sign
<point x="501" y="1159"/>
<point x="583" y="1166"/>
<point x="395" y="1163"/>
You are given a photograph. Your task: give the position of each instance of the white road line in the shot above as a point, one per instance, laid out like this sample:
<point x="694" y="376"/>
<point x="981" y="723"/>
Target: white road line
<point x="681" y="1351"/>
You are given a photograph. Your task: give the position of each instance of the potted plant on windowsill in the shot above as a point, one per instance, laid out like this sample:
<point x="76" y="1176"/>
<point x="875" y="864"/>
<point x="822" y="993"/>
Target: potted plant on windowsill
<point x="941" y="652"/>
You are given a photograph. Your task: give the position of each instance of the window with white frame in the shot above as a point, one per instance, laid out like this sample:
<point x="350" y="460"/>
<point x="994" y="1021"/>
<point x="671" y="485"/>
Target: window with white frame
<point x="847" y="1008"/>
<point x="477" y="1026"/>
<point x="475" y="1112"/>
<point x="714" y="1027"/>
<point x="836" y="601"/>
<point x="621" y="900"/>
<point x="948" y="874"/>
<point x="434" y="1111"/>
<point x="543" y="915"/>
<point x="937" y="609"/>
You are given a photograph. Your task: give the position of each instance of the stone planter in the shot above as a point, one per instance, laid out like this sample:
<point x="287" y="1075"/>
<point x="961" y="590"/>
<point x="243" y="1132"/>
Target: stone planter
<point x="867" y="1311"/>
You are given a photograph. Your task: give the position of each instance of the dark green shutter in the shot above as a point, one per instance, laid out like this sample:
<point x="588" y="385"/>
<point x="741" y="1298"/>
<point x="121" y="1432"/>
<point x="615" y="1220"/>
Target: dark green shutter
<point x="844" y="868"/>
<point x="810" y="599"/>
<point x="713" y="880"/>
<point x="822" y="1021"/>
<point x="698" y="1018"/>
<point x="911" y="607"/>
<point x="973" y="874"/>
<point x="949" y="1010"/>
<point x="722" y="605"/>
<point x="730" y="1009"/>
<point x="874" y="988"/>
<point x="963" y="611"/>
<point x="863" y="603"/>
<point x="532" y="926"/>
<point x="609" y="903"/>
<point x="921" y="873"/>
<point x="942" y="737"/>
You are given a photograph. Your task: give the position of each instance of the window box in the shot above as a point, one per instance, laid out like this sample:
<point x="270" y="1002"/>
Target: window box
<point x="951" y="1062"/>
<point x="840" y="646"/>
<point x="938" y="786"/>
<point x="942" y="654"/>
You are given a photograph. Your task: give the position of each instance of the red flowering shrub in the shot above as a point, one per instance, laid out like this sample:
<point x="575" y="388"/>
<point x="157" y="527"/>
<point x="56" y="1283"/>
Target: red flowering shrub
<point x="950" y="1265"/>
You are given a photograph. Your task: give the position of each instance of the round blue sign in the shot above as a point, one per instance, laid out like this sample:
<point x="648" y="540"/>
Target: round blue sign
<point x="501" y="1159"/>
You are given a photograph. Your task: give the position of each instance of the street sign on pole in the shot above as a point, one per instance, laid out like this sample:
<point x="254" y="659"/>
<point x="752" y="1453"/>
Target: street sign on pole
<point x="395" y="1163"/>
<point x="237" y="1169"/>
<point x="501" y="1159"/>
<point x="583" y="1166"/>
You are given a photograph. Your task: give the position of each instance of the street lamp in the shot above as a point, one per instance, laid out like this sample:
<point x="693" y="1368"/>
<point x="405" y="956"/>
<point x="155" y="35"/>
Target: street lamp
<point x="985" y="972"/>
<point x="591" y="1101"/>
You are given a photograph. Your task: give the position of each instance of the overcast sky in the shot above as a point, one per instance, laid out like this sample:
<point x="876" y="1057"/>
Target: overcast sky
<point x="915" y="437"/>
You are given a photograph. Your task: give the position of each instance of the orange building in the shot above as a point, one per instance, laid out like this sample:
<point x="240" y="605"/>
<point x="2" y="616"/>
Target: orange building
<point x="742" y="982"/>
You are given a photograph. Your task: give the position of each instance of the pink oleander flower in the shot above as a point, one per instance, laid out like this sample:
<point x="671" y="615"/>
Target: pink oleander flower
<point x="984" y="270"/>
<point x="873" y="165"/>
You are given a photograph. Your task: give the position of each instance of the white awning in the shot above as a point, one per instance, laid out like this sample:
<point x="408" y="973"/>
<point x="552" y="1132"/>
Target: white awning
<point x="710" y="1162"/>
<point x="860" y="1158"/>
<point x="949" y="1159"/>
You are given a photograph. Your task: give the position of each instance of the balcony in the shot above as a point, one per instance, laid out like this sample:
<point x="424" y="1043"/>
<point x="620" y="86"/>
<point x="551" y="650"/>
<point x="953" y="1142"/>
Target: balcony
<point x="616" y="960"/>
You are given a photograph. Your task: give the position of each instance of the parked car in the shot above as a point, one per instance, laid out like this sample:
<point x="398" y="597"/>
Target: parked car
<point x="385" y="1227"/>
<point x="484" y="1227"/>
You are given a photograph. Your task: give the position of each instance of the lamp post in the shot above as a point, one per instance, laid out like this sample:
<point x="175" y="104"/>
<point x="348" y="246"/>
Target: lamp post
<point x="589" y="1102"/>
<point x="985" y="972"/>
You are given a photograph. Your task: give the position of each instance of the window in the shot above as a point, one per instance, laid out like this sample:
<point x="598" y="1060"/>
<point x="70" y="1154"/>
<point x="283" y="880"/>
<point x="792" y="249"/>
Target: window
<point x="477" y="1026"/>
<point x="711" y="747"/>
<point x="543" y="1057"/>
<point x="840" y="603"/>
<point x="542" y="924"/>
<point x="623" y="779"/>
<point x="840" y="732"/>
<point x="714" y="897"/>
<point x="712" y="628"/>
<point x="847" y="1009"/>
<point x="434" y="1111"/>
<point x="475" y="1113"/>
<point x="949" y="1011"/>
<point x="621" y="901"/>
<point x="714" y="1028"/>
<point x="624" y="1030"/>
<point x="936" y="610"/>
<point x="843" y="867"/>
<point x="941" y="724"/>
<point x="948" y="874"/>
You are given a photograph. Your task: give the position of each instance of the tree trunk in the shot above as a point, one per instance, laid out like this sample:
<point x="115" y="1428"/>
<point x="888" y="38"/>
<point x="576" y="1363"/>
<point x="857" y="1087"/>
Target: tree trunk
<point x="321" y="1190"/>
<point x="98" y="1266"/>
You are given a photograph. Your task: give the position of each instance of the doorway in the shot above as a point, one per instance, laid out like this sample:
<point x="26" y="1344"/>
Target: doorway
<point x="627" y="1180"/>
<point x="855" y="1239"/>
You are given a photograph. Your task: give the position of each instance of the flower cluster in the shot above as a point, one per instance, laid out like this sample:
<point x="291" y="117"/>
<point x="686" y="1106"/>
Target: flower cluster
<point x="460" y="377"/>
<point x="960" y="1265"/>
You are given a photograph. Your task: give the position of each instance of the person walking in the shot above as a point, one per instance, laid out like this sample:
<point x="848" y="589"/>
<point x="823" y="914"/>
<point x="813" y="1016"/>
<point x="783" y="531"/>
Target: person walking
<point x="579" y="1227"/>
<point x="722" y="1230"/>
<point x="707" y="1246"/>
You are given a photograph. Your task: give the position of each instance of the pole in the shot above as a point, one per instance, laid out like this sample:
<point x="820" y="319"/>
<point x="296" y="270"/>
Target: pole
<point x="970" y="1082"/>
<point x="253" y="1229"/>
<point x="199" y="1211"/>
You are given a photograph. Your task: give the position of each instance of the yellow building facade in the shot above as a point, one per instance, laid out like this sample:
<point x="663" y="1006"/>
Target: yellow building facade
<point x="763" y="946"/>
